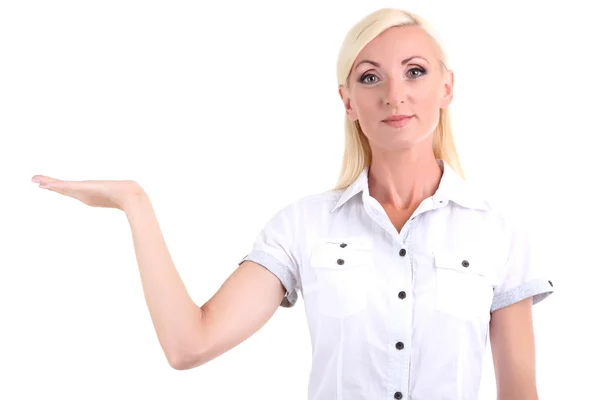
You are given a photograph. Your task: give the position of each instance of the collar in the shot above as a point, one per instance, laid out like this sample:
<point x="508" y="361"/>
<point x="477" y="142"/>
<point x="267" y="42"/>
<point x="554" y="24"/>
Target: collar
<point x="452" y="187"/>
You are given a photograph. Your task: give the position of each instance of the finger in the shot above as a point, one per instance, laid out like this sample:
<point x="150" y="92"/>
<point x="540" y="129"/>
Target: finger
<point x="44" y="180"/>
<point x="57" y="187"/>
<point x="75" y="189"/>
<point x="67" y="188"/>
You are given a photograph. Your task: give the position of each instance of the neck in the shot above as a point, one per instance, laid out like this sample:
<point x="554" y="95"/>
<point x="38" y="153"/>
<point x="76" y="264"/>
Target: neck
<point x="403" y="181"/>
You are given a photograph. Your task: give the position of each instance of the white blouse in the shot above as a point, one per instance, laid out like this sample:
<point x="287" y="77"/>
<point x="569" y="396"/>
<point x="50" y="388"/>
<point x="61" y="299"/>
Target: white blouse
<point x="399" y="315"/>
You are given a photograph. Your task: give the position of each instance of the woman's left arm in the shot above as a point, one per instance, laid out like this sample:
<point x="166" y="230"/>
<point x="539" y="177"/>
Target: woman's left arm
<point x="513" y="351"/>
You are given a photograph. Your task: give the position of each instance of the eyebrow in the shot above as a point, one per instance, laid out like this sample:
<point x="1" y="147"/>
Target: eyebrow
<point x="378" y="65"/>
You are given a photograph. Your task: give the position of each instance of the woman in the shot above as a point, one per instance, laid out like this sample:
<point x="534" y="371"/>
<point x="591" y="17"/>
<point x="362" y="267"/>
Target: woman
<point x="404" y="267"/>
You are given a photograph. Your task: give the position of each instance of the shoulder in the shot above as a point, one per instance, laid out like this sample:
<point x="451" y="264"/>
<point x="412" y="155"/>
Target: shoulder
<point x="311" y="204"/>
<point x="507" y="212"/>
<point x="293" y="217"/>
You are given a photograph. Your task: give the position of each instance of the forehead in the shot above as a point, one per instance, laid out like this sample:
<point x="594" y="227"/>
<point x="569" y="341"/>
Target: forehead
<point x="399" y="42"/>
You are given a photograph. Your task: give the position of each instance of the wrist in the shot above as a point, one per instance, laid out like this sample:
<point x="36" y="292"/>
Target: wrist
<point x="135" y="197"/>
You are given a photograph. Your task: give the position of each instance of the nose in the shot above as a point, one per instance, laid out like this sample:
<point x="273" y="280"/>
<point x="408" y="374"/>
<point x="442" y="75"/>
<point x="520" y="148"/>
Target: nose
<point x="395" y="93"/>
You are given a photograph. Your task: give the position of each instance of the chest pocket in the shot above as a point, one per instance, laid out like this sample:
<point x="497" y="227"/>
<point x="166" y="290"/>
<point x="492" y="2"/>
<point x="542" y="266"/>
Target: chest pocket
<point x="343" y="270"/>
<point x="465" y="285"/>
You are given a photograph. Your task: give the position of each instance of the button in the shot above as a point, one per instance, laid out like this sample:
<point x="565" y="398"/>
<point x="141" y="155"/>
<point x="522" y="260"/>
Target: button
<point x="465" y="263"/>
<point x="397" y="395"/>
<point x="402" y="295"/>
<point x="399" y="345"/>
<point x="343" y="245"/>
<point x="402" y="253"/>
<point x="550" y="282"/>
<point x="340" y="261"/>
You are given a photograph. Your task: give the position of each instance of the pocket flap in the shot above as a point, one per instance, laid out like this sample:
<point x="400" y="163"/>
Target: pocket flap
<point x="464" y="263"/>
<point x="340" y="254"/>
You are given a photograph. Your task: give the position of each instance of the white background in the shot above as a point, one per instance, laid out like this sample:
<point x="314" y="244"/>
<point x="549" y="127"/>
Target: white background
<point x="227" y="111"/>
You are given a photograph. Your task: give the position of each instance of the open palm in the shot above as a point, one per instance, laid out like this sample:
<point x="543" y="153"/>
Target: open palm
<point x="94" y="193"/>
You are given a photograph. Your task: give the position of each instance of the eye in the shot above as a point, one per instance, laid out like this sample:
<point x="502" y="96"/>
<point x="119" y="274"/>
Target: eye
<point x="366" y="78"/>
<point x="414" y="73"/>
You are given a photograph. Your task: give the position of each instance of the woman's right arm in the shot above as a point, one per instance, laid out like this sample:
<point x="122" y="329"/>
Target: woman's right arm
<point x="190" y="335"/>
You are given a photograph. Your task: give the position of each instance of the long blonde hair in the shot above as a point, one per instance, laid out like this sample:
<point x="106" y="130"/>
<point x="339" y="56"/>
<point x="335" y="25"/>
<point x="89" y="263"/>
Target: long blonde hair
<point x="357" y="151"/>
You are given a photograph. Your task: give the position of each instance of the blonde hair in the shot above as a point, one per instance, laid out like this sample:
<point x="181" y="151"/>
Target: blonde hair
<point x="357" y="151"/>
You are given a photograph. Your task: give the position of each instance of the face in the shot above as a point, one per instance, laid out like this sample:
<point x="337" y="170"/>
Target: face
<point x="398" y="73"/>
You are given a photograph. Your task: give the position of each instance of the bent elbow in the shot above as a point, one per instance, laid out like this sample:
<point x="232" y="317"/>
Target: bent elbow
<point x="189" y="351"/>
<point x="186" y="360"/>
<point x="180" y="363"/>
<point x="177" y="363"/>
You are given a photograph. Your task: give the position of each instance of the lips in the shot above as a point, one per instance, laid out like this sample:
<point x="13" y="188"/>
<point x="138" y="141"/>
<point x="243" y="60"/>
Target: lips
<point x="398" y="121"/>
<point x="397" y="118"/>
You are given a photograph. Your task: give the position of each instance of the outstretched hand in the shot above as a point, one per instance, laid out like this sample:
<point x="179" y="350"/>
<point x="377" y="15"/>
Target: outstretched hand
<point x="96" y="193"/>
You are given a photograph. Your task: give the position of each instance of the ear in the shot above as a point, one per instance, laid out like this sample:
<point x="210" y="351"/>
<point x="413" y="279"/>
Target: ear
<point x="448" y="92"/>
<point x="345" y="96"/>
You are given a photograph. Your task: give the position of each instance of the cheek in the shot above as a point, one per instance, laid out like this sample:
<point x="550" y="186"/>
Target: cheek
<point x="366" y="106"/>
<point x="427" y="98"/>
<point x="428" y="104"/>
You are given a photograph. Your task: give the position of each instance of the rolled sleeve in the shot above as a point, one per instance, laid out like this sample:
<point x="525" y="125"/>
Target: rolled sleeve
<point x="524" y="274"/>
<point x="273" y="249"/>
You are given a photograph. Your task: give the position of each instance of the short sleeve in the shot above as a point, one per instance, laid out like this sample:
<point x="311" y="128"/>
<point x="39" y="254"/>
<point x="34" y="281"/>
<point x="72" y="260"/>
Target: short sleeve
<point x="273" y="249"/>
<point x="524" y="273"/>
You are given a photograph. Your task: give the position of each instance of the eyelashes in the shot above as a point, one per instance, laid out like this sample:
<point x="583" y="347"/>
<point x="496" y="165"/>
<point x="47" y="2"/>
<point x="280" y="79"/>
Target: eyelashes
<point x="411" y="75"/>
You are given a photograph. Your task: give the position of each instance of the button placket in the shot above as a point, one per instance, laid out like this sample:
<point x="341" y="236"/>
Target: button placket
<point x="402" y="253"/>
<point x="401" y="295"/>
